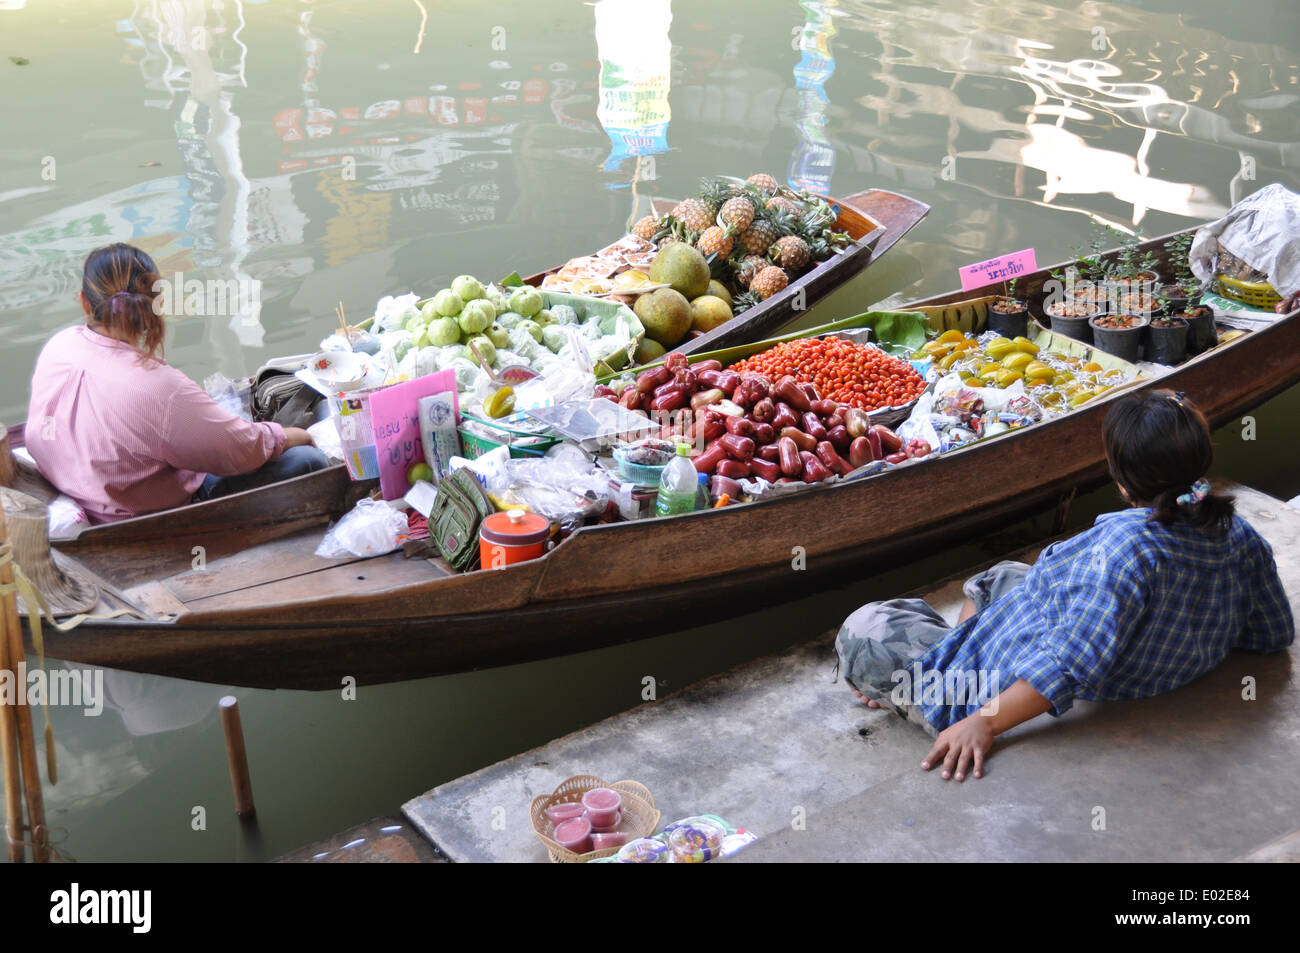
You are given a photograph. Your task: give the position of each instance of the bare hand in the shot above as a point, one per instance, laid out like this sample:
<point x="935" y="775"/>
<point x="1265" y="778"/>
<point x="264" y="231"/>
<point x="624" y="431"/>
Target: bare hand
<point x="969" y="740"/>
<point x="296" y="437"/>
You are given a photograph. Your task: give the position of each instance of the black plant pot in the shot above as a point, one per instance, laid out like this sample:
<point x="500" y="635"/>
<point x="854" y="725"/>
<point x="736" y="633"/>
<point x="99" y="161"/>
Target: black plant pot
<point x="1167" y="345"/>
<point x="1202" y="335"/>
<point x="1121" y="342"/>
<point x="1009" y="324"/>
<point x="1177" y="304"/>
<point x="1078" y="328"/>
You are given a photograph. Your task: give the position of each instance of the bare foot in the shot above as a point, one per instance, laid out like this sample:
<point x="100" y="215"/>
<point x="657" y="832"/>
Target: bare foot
<point x="865" y="700"/>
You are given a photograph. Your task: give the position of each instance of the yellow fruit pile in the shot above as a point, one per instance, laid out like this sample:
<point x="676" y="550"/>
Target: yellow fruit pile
<point x="1056" y="381"/>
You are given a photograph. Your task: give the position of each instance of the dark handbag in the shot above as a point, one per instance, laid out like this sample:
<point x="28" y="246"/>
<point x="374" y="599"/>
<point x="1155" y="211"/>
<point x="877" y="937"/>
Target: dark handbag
<point x="458" y="510"/>
<point x="280" y="397"/>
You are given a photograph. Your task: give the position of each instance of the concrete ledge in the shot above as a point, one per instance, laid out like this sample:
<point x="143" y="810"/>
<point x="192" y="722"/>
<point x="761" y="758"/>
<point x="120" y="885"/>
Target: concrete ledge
<point x="780" y="747"/>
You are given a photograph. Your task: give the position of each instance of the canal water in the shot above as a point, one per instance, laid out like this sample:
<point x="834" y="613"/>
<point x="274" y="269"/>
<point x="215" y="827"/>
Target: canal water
<point x="341" y="152"/>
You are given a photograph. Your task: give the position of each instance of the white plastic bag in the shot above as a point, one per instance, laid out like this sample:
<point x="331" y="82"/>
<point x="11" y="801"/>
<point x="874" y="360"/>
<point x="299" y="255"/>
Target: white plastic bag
<point x="325" y="435"/>
<point x="67" y="519"/>
<point x="371" y="528"/>
<point x="1262" y="230"/>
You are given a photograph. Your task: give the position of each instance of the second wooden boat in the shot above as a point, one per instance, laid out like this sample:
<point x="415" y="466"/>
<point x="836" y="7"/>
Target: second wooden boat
<point x="264" y="611"/>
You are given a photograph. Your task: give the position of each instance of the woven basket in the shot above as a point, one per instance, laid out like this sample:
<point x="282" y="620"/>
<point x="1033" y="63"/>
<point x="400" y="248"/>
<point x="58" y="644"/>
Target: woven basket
<point x="640" y="818"/>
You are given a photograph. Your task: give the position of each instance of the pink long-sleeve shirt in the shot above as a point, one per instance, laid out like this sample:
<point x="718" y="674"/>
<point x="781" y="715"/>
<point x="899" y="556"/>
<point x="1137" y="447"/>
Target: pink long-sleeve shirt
<point x="124" y="438"/>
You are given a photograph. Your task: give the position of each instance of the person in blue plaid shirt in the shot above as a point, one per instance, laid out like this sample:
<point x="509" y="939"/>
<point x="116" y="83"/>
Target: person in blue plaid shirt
<point x="1143" y="603"/>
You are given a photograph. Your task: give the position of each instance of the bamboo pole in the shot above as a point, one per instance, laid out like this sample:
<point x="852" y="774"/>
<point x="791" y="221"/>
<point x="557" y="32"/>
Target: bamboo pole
<point x="12" y="784"/>
<point x="237" y="757"/>
<point x="8" y="469"/>
<point x="22" y="715"/>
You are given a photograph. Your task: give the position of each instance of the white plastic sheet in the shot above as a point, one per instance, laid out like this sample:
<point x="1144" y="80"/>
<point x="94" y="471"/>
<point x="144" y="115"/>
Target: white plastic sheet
<point x="1262" y="230"/>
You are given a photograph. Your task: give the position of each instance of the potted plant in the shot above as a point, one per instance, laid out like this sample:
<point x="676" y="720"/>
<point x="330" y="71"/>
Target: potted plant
<point x="1202" y="334"/>
<point x="1119" y="334"/>
<point x="1139" y="302"/>
<point x="1008" y="315"/>
<point x="1185" y="290"/>
<point x="1131" y="270"/>
<point x="1166" y="340"/>
<point x="1071" y="317"/>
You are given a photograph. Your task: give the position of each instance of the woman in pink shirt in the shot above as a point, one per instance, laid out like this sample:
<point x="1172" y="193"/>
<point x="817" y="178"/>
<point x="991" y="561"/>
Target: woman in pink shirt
<point x="123" y="433"/>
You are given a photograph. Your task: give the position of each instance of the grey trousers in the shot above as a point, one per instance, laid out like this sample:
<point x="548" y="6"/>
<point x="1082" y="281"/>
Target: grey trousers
<point x="883" y="638"/>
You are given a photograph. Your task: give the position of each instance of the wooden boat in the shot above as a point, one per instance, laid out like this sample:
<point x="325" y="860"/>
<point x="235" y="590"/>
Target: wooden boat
<point x="266" y="612"/>
<point x="875" y="219"/>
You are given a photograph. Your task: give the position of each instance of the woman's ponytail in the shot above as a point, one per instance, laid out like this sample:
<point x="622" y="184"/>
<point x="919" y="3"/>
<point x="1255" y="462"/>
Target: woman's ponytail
<point x="118" y="284"/>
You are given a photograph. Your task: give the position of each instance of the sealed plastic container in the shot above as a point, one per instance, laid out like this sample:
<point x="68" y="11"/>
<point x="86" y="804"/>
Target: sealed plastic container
<point x="643" y="850"/>
<point x="696" y="840"/>
<point x="512" y="537"/>
<point x="604" y="806"/>
<point x="564" y="811"/>
<point x="574" y="834"/>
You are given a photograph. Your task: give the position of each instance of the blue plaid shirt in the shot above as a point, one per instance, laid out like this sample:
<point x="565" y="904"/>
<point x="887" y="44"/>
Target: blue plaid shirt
<point x="1127" y="609"/>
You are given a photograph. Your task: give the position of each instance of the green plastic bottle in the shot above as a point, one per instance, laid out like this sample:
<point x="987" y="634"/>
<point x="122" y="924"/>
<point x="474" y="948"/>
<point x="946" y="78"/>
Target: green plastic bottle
<point x="678" y="484"/>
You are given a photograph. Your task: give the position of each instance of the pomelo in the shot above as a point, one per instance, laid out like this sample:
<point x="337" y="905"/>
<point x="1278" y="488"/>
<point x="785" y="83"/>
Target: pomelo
<point x="709" y="311"/>
<point x="666" y="315"/>
<point x="683" y="267"/>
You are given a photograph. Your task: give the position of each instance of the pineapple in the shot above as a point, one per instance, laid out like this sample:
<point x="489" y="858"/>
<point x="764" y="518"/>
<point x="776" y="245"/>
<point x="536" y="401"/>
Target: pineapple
<point x="783" y="203"/>
<point x="749" y="266"/>
<point x="646" y="228"/>
<point x="743" y="302"/>
<point x="791" y="252"/>
<point x="764" y="182"/>
<point x="758" y="238"/>
<point x="715" y="241"/>
<point x="771" y="280"/>
<point x="715" y="192"/>
<point x="737" y="213"/>
<point x="694" y="214"/>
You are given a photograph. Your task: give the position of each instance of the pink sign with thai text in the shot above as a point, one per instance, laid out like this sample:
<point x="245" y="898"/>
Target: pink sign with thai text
<point x="996" y="270"/>
<point x="395" y="415"/>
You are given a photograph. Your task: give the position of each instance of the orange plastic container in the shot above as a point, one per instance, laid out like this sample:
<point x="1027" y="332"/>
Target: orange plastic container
<point x="512" y="537"/>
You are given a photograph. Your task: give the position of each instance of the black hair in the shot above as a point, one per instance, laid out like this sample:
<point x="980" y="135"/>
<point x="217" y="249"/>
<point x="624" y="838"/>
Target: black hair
<point x="1158" y="445"/>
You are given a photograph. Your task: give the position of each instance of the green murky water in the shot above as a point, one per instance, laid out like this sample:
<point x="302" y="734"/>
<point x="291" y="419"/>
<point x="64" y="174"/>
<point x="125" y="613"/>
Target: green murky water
<point x="327" y="152"/>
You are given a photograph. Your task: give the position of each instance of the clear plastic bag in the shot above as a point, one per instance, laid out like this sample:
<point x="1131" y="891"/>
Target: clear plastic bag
<point x="564" y="486"/>
<point x="236" y="398"/>
<point x="371" y="528"/>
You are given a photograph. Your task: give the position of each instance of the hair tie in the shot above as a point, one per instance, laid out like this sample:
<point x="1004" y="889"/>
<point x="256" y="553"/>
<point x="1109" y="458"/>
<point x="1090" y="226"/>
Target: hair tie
<point x="1200" y="490"/>
<point x="117" y="301"/>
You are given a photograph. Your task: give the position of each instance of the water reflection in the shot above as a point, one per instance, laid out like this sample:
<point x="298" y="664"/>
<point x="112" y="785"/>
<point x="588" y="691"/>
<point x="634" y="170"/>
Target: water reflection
<point x="1073" y="129"/>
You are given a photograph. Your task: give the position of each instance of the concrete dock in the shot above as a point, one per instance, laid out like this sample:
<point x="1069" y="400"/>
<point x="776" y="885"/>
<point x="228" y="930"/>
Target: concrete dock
<point x="781" y="747"/>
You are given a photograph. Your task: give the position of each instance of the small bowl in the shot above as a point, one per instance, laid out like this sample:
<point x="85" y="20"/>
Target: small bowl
<point x="641" y="474"/>
<point x="340" y="370"/>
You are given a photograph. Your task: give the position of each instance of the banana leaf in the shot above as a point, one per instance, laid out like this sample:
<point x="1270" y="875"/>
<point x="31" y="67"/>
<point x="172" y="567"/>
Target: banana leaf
<point x="906" y="330"/>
